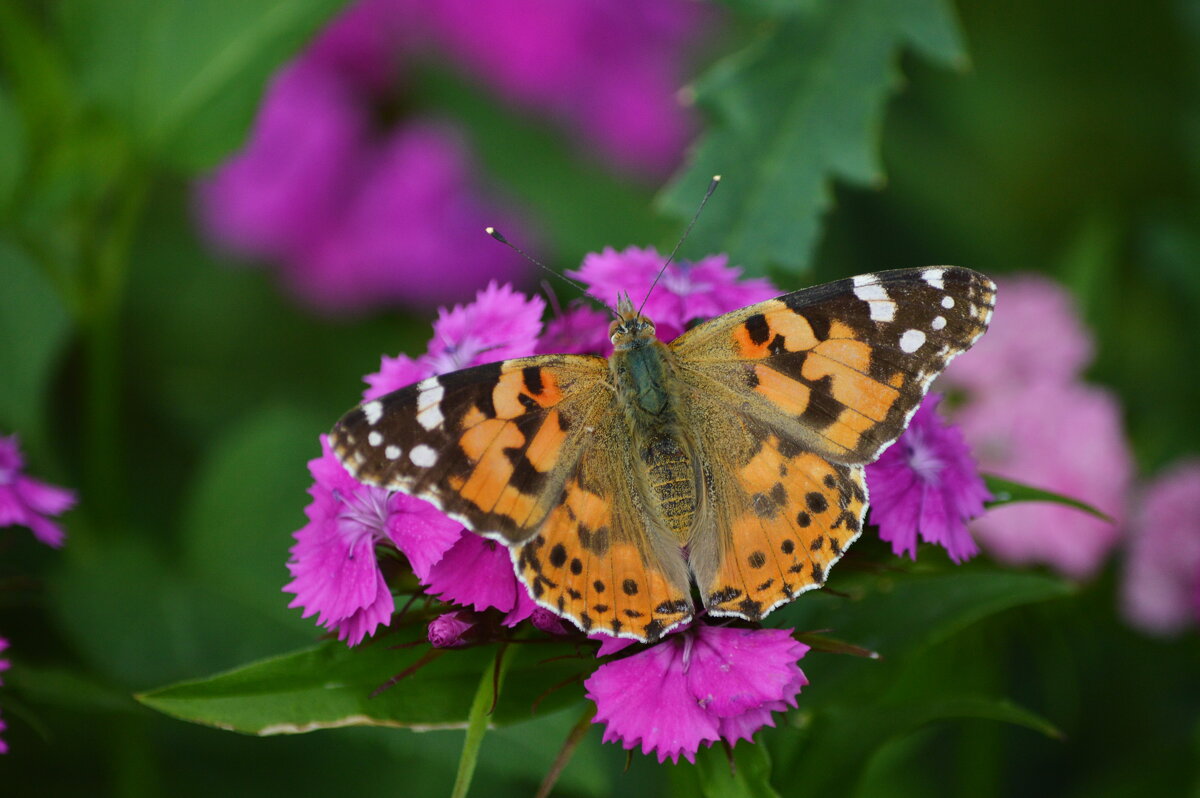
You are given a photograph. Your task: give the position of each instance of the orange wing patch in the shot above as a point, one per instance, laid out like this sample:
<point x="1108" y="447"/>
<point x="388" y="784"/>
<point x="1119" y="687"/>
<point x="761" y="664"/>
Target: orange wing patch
<point x="582" y="566"/>
<point x="790" y="516"/>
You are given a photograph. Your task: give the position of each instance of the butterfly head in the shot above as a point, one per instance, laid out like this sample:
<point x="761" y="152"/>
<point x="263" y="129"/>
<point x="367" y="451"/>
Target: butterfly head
<point x="630" y="329"/>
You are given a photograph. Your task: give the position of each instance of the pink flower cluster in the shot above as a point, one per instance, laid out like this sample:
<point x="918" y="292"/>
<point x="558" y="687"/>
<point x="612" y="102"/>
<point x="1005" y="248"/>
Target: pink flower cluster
<point x="28" y="502"/>
<point x="703" y="684"/>
<point x="361" y="210"/>
<point x="1029" y="417"/>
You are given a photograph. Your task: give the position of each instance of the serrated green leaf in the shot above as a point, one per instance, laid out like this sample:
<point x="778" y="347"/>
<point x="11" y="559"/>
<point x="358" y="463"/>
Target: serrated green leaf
<point x="186" y="76"/>
<point x="748" y="775"/>
<point x="1006" y="491"/>
<point x="800" y="106"/>
<point x="330" y="685"/>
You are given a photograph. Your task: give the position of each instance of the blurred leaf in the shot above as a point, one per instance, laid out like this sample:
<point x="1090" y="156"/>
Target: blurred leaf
<point x="798" y="107"/>
<point x="12" y="148"/>
<point x="748" y="775"/>
<point x="186" y="74"/>
<point x="330" y="685"/>
<point x="33" y="328"/>
<point x="843" y="740"/>
<point x="899" y="615"/>
<point x="247" y="498"/>
<point x="137" y="620"/>
<point x="1006" y="491"/>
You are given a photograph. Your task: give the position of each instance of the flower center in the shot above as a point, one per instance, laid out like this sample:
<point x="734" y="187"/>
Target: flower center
<point x="364" y="512"/>
<point x="922" y="459"/>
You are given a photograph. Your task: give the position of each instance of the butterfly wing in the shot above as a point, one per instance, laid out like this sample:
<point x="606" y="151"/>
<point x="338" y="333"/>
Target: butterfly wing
<point x="840" y="368"/>
<point x="528" y="452"/>
<point x="809" y="387"/>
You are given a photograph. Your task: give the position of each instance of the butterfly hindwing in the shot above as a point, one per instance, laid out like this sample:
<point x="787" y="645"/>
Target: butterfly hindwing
<point x="526" y="451"/>
<point x="840" y="368"/>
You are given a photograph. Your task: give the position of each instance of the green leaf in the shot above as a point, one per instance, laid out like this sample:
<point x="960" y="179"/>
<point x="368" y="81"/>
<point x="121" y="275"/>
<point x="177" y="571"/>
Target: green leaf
<point x="331" y="685"/>
<point x="186" y="76"/>
<point x="796" y="108"/>
<point x="748" y="775"/>
<point x="12" y="147"/>
<point x="1006" y="491"/>
<point x="33" y="328"/>
<point x="247" y="498"/>
<point x="491" y="682"/>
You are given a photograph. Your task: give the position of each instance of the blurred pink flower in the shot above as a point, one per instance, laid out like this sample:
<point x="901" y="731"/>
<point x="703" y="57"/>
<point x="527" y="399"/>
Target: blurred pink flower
<point x="29" y="502"/>
<point x="1067" y="438"/>
<point x="1036" y="336"/>
<point x="611" y="69"/>
<point x="927" y="483"/>
<point x="361" y="210"/>
<point x="4" y="665"/>
<point x="1161" y="585"/>
<point x="411" y="232"/>
<point x="703" y="684"/>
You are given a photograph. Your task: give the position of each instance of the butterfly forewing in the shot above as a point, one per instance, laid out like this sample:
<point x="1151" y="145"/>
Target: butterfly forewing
<point x="840" y="368"/>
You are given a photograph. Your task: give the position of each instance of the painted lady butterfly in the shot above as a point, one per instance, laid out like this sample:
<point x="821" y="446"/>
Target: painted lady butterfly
<point x="731" y="458"/>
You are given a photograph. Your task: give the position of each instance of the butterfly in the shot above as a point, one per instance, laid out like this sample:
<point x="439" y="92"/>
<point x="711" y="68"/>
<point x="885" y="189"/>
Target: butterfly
<point x="730" y="459"/>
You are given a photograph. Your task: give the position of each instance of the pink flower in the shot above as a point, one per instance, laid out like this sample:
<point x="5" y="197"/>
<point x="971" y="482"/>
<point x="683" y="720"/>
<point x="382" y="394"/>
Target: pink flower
<point x="29" y="502"/>
<point x="927" y="483"/>
<point x="1066" y="438"/>
<point x="478" y="573"/>
<point x="1035" y="337"/>
<point x="701" y="685"/>
<point x="4" y="665"/>
<point x="451" y="630"/>
<point x="579" y="330"/>
<point x="686" y="293"/>
<point x="610" y="69"/>
<point x="500" y="324"/>
<point x="334" y="569"/>
<point x="412" y="232"/>
<point x="1161" y="589"/>
<point x="276" y="197"/>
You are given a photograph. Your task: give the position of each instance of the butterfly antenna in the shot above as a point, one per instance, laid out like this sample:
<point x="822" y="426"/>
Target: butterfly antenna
<point x="712" y="186"/>
<point x="496" y="234"/>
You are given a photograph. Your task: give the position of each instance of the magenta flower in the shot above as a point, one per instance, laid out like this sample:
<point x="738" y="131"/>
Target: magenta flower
<point x="451" y="630"/>
<point x="701" y="685"/>
<point x="333" y="565"/>
<point x="1160" y="593"/>
<point x="29" y="502"/>
<point x="579" y="330"/>
<point x="4" y="665"/>
<point x="1036" y="337"/>
<point x="612" y="70"/>
<point x="686" y="293"/>
<point x="412" y="231"/>
<point x="1065" y="438"/>
<point x="926" y="483"/>
<point x="478" y="573"/>
<point x="501" y="323"/>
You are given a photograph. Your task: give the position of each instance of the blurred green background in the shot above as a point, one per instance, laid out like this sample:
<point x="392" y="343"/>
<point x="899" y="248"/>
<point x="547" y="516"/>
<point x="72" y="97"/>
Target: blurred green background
<point x="182" y="396"/>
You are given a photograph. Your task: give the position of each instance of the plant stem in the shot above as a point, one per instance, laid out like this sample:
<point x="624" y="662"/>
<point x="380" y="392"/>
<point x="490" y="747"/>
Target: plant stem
<point x="574" y="738"/>
<point x="490" y="683"/>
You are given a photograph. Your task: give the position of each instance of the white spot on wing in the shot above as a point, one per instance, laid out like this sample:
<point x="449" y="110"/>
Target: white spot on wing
<point x="934" y="278"/>
<point x="392" y="452"/>
<point x="938" y="322"/>
<point x="373" y="411"/>
<point x="912" y="340"/>
<point x="947" y="302"/>
<point x="876" y="297"/>
<point x="375" y="439"/>
<point x="431" y="417"/>
<point x="422" y="456"/>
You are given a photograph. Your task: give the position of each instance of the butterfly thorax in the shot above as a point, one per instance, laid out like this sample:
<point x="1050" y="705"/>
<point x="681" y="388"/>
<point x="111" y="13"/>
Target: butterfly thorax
<point x="644" y="375"/>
